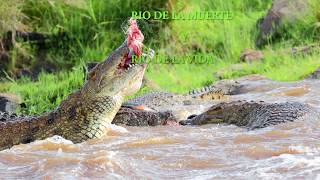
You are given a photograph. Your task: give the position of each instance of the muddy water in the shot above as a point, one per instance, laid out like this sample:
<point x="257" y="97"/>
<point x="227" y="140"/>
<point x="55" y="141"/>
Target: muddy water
<point x="290" y="150"/>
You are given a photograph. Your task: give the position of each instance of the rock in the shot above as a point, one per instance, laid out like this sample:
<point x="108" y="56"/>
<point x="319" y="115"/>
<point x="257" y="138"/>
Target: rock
<point x="281" y="12"/>
<point x="4" y="61"/>
<point x="35" y="70"/>
<point x="314" y="75"/>
<point x="304" y="50"/>
<point x="9" y="103"/>
<point x="250" y="55"/>
<point x="42" y="65"/>
<point x="5" y="116"/>
<point x="22" y="73"/>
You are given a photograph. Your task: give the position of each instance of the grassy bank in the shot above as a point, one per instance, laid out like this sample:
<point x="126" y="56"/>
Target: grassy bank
<point x="94" y="28"/>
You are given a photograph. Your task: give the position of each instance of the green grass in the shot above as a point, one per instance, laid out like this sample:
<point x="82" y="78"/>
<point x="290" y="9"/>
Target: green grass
<point x="46" y="93"/>
<point x="94" y="29"/>
<point x="11" y="16"/>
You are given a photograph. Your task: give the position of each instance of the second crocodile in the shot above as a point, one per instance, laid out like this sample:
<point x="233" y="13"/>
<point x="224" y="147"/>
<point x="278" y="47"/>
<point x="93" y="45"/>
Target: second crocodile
<point x="255" y="115"/>
<point x="157" y="108"/>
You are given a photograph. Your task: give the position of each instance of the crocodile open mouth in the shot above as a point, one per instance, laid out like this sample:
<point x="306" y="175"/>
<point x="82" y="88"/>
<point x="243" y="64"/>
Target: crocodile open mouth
<point x="126" y="63"/>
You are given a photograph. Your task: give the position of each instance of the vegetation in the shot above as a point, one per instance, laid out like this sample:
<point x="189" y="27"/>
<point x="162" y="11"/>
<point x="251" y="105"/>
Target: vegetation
<point x="11" y="15"/>
<point x="94" y="28"/>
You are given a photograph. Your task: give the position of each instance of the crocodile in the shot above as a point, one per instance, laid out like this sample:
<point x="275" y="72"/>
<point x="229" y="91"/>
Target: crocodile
<point x="88" y="112"/>
<point x="149" y="109"/>
<point x="161" y="100"/>
<point x="136" y="117"/>
<point x="254" y="114"/>
<point x="157" y="108"/>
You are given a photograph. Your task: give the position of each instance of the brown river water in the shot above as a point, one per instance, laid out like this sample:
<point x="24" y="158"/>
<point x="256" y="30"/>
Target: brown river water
<point x="216" y="151"/>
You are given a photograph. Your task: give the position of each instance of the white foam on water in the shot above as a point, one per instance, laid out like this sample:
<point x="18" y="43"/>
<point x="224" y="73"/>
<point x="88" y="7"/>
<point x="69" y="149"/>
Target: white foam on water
<point x="118" y="129"/>
<point x="286" y="166"/>
<point x="56" y="140"/>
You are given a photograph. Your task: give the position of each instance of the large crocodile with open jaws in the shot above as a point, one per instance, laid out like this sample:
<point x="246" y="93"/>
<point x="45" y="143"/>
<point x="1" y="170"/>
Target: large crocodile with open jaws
<point x="88" y="112"/>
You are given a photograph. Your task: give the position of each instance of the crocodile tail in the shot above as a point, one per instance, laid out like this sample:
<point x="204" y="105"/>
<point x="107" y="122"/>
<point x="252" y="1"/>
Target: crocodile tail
<point x="207" y="92"/>
<point x="22" y="130"/>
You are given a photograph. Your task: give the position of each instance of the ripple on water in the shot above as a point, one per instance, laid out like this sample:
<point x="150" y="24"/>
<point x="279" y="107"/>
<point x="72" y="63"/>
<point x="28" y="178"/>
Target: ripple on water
<point x="260" y="152"/>
<point x="151" y="141"/>
<point x="212" y="151"/>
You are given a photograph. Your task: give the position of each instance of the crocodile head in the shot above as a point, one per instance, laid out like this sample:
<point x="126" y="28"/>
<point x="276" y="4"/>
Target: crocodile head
<point x="92" y="109"/>
<point x="234" y="112"/>
<point x="116" y="76"/>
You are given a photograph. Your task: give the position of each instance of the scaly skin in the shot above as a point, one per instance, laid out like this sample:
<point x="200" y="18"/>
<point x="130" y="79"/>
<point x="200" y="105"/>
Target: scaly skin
<point x="149" y="109"/>
<point x="180" y="106"/>
<point x="222" y="87"/>
<point x="135" y="117"/>
<point x="160" y="100"/>
<point x="254" y="114"/>
<point x="84" y="114"/>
